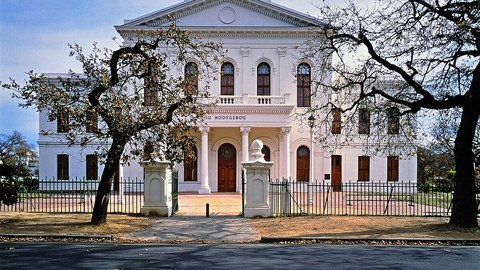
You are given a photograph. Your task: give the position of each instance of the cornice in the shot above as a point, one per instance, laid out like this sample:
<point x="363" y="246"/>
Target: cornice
<point x="233" y="32"/>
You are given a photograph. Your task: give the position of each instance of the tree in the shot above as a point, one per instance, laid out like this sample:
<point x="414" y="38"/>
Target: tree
<point x="134" y="93"/>
<point x="430" y="50"/>
<point x="15" y="155"/>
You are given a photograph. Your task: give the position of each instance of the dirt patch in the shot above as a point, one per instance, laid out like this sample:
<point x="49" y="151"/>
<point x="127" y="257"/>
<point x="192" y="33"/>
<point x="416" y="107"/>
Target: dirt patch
<point x="334" y="227"/>
<point x="70" y="224"/>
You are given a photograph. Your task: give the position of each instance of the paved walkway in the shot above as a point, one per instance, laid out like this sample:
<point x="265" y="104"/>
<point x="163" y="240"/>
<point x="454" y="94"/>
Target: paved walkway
<point x="220" y="204"/>
<point x="217" y="229"/>
<point x="190" y="224"/>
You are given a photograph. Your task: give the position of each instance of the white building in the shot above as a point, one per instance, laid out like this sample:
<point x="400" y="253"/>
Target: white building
<point x="265" y="85"/>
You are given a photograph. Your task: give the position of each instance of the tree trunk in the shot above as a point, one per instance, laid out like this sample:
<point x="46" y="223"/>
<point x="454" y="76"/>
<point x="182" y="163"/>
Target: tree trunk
<point x="99" y="215"/>
<point x="464" y="211"/>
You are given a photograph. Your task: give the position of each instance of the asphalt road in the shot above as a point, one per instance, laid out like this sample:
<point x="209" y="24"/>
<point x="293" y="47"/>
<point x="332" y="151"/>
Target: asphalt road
<point x="231" y="256"/>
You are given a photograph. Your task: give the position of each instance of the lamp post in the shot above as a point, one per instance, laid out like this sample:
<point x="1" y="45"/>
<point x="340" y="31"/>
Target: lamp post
<point x="311" y="123"/>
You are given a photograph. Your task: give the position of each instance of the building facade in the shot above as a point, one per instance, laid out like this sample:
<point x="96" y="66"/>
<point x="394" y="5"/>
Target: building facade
<point x="263" y="92"/>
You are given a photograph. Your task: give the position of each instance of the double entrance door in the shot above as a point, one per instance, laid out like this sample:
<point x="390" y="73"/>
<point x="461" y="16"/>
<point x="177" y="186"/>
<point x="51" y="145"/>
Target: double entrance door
<point x="227" y="168"/>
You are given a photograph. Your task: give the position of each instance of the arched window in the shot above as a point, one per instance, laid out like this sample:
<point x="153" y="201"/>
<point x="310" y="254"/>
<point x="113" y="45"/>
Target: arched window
<point x="303" y="163"/>
<point x="190" y="166"/>
<point x="227" y="79"/>
<point x="303" y="85"/>
<point x="263" y="79"/>
<point x="191" y="79"/>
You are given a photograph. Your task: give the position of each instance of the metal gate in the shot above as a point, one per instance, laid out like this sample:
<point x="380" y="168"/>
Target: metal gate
<point x="174" y="192"/>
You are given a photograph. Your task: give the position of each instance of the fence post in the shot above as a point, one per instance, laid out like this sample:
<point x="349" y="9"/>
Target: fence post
<point x="285" y="198"/>
<point x="157" y="189"/>
<point x="258" y="203"/>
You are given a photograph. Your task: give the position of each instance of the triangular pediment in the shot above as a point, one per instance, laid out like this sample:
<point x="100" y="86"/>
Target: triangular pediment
<point x="224" y="13"/>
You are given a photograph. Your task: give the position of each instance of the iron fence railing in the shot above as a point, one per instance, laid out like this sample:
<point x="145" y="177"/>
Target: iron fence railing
<point x="77" y="196"/>
<point x="359" y="199"/>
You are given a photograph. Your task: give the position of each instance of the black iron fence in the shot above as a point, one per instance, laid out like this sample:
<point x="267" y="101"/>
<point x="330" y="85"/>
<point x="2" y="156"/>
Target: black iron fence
<point x="77" y="196"/>
<point x="360" y="199"/>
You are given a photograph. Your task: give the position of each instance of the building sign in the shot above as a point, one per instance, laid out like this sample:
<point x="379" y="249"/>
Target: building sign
<point x="225" y="117"/>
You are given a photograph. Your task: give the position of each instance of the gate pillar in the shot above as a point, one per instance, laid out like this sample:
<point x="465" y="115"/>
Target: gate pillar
<point x="257" y="203"/>
<point x="158" y="188"/>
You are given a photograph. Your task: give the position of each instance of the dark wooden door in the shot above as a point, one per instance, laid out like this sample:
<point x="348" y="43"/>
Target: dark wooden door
<point x="336" y="173"/>
<point x="303" y="164"/>
<point x="227" y="167"/>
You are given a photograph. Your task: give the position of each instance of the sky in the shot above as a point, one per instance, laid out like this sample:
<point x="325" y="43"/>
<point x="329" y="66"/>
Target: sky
<point x="34" y="35"/>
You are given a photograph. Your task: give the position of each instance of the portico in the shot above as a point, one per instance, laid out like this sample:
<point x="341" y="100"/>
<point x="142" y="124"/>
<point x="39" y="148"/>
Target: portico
<point x="224" y="142"/>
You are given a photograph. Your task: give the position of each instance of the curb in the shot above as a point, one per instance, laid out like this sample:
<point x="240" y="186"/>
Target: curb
<point x="369" y="241"/>
<point x="58" y="236"/>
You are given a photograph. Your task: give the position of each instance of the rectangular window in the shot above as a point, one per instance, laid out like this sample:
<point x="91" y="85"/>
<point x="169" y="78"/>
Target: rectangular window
<point x="337" y="121"/>
<point x="92" y="167"/>
<point x="150" y="94"/>
<point x="62" y="121"/>
<point x="363" y="121"/>
<point x="393" y="121"/>
<point x="62" y="167"/>
<point x="92" y="121"/>
<point x="392" y="168"/>
<point x="363" y="168"/>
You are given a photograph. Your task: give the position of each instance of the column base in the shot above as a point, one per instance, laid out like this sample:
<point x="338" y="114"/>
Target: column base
<point x="257" y="212"/>
<point x="160" y="211"/>
<point x="204" y="190"/>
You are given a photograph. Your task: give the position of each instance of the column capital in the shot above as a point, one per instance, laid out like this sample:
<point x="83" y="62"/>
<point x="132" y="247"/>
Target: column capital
<point x="286" y="130"/>
<point x="245" y="51"/>
<point x="282" y="51"/>
<point x="204" y="130"/>
<point x="245" y="130"/>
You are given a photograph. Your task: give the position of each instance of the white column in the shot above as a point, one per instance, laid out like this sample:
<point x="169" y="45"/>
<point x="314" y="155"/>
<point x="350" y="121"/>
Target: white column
<point x="245" y="131"/>
<point x="286" y="149"/>
<point x="204" y="187"/>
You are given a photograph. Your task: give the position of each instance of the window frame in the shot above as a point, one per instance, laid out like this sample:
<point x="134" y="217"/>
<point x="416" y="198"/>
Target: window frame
<point x="150" y="91"/>
<point x="63" y="167"/>
<point x="393" y="121"/>
<point x="91" y="167"/>
<point x="191" y="79"/>
<point x="63" y="120"/>
<point x="264" y="80"/>
<point x="363" y="168"/>
<point x="227" y="80"/>
<point x="393" y="168"/>
<point x="336" y="121"/>
<point x="364" y="121"/>
<point x="92" y="121"/>
<point x="304" y="91"/>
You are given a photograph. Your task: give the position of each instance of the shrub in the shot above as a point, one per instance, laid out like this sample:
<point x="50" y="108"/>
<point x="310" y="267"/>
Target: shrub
<point x="9" y="190"/>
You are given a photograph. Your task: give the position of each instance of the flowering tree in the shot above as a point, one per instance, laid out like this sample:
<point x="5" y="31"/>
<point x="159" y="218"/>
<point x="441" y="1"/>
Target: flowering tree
<point x="144" y="111"/>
